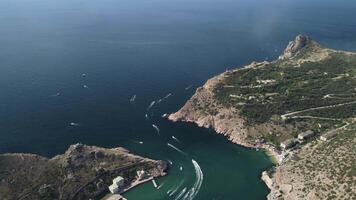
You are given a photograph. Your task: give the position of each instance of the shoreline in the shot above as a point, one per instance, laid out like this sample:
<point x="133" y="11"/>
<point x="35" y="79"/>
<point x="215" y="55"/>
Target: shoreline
<point x="139" y="182"/>
<point x="248" y="117"/>
<point x="132" y="185"/>
<point x="269" y="150"/>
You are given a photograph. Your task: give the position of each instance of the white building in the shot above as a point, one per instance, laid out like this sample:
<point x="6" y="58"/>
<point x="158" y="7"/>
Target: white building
<point x="114" y="188"/>
<point x="116" y="184"/>
<point x="119" y="181"/>
<point x="141" y="175"/>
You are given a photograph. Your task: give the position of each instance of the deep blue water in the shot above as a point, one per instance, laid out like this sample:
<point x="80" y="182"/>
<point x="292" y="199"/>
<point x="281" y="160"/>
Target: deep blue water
<point x="149" y="48"/>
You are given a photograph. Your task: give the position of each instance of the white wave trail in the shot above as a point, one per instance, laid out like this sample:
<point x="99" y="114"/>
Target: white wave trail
<point x="74" y="124"/>
<point x="160" y="186"/>
<point x="133" y="98"/>
<point x="164" y="98"/>
<point x="175" y="189"/>
<point x="56" y="95"/>
<point x="177" y="149"/>
<point x="156" y="127"/>
<point x="174" y="138"/>
<point x="187" y="88"/>
<point x="146" y="116"/>
<point x="180" y="194"/>
<point x="151" y="105"/>
<point x="190" y="195"/>
<point x="137" y="142"/>
<point x="168" y="95"/>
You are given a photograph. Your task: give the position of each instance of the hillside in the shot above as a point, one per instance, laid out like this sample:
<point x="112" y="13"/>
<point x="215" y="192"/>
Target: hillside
<point x="82" y="172"/>
<point x="319" y="170"/>
<point x="308" y="88"/>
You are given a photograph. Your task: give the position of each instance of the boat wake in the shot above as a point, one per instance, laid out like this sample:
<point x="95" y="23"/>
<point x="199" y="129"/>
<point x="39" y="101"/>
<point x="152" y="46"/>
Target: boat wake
<point x="74" y="124"/>
<point x="151" y="105"/>
<point x="160" y="186"/>
<point x="193" y="191"/>
<point x="164" y="98"/>
<point x="181" y="193"/>
<point x="190" y="86"/>
<point x="156" y="128"/>
<point x="132" y="99"/>
<point x="171" y="192"/>
<point x="176" y="148"/>
<point x="56" y="95"/>
<point x="168" y="95"/>
<point x="137" y="142"/>
<point x="176" y="139"/>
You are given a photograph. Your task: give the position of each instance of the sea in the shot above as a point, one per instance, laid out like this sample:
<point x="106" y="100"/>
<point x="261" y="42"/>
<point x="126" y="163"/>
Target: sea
<point x="69" y="68"/>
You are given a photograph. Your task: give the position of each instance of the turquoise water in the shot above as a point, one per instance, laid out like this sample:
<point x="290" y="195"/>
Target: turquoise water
<point x="149" y="48"/>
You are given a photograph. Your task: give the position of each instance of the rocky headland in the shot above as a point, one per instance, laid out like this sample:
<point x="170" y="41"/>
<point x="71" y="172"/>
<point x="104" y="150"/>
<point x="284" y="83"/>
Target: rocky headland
<point x="265" y="104"/>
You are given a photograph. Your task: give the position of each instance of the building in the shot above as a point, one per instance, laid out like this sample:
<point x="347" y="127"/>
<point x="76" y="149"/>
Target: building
<point x="117" y="183"/>
<point x="114" y="188"/>
<point x="329" y="135"/>
<point x="289" y="143"/>
<point x="141" y="175"/>
<point x="306" y="135"/>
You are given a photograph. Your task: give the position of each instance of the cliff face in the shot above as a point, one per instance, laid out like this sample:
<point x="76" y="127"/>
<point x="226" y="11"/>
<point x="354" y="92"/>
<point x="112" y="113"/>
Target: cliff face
<point x="265" y="103"/>
<point x="294" y="46"/>
<point x="206" y="112"/>
<point x="206" y="109"/>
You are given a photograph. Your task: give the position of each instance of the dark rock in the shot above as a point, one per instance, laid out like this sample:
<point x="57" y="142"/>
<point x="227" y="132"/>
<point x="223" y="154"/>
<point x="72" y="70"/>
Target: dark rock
<point x="294" y="46"/>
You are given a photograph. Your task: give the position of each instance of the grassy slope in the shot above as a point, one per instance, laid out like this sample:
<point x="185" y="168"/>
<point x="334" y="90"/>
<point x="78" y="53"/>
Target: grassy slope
<point x="321" y="84"/>
<point x="296" y="84"/>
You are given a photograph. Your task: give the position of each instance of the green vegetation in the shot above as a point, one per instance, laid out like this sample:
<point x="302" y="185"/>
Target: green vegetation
<point x="284" y="86"/>
<point x="327" y="168"/>
<point x="83" y="172"/>
<point x="309" y="88"/>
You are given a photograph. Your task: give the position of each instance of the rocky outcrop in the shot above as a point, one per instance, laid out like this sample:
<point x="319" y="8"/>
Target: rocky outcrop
<point x="203" y="110"/>
<point x="206" y="111"/>
<point x="294" y="46"/>
<point x="247" y="105"/>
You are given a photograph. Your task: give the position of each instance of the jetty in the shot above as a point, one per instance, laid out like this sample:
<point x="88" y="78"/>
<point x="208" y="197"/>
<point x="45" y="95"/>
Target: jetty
<point x="154" y="183"/>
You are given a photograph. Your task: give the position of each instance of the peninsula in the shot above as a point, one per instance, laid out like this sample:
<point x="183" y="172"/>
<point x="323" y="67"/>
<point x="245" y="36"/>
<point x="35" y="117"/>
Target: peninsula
<point x="82" y="172"/>
<point x="300" y="108"/>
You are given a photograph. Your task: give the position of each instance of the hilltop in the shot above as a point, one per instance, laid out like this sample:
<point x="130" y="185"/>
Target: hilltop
<point x="309" y="88"/>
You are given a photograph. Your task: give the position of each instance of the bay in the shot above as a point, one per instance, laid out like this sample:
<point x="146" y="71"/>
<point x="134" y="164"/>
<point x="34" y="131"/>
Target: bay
<point x="147" y="48"/>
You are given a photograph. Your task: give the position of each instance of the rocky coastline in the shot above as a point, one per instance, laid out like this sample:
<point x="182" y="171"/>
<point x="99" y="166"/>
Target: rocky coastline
<point x="205" y="109"/>
<point x="227" y="121"/>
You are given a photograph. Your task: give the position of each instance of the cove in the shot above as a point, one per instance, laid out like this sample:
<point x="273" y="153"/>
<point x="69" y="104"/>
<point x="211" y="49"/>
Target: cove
<point x="148" y="49"/>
